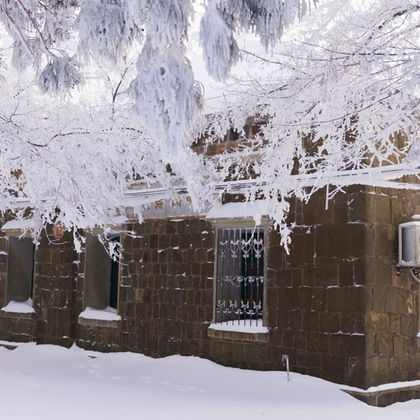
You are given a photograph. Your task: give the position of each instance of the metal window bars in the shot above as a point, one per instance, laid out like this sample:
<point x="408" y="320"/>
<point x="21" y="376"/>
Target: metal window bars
<point x="240" y="276"/>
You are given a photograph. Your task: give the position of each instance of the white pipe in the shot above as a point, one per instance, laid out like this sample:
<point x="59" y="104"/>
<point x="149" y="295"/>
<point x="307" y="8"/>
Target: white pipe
<point x="285" y="358"/>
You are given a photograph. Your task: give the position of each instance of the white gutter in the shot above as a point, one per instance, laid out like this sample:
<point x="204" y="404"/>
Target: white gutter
<point x="377" y="177"/>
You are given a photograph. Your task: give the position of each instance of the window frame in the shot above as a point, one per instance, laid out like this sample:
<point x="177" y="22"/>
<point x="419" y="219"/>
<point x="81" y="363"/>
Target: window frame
<point x="25" y="233"/>
<point x="85" y="305"/>
<point x="239" y="223"/>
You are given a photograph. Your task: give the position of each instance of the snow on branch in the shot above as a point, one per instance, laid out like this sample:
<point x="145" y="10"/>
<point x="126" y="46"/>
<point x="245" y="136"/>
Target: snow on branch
<point x="342" y="94"/>
<point x="166" y="99"/>
<point x="106" y="30"/>
<point x="59" y="76"/>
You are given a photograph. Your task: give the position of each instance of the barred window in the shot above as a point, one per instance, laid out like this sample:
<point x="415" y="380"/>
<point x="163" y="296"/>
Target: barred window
<point x="240" y="275"/>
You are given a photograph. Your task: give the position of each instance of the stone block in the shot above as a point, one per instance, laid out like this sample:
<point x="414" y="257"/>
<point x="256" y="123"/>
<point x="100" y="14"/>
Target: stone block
<point x="356" y="207"/>
<point x="329" y="322"/>
<point x="290" y="298"/>
<point x="370" y="345"/>
<point x="407" y="326"/>
<point x="305" y="297"/>
<point x="300" y="341"/>
<point x="355" y="371"/>
<point x="402" y="300"/>
<point x="325" y="274"/>
<point x="385" y="243"/>
<point x="340" y="241"/>
<point x="43" y="256"/>
<point x="396" y="211"/>
<point x="379" y="299"/>
<point x="315" y="211"/>
<point x="356" y="299"/>
<point x="353" y="345"/>
<point x="346" y="273"/>
<point x="400" y="346"/>
<point x="340" y="214"/>
<point x="384" y="344"/>
<point x="283" y="318"/>
<point x="318" y="299"/>
<point x="376" y="322"/>
<point x="382" y="209"/>
<point x="310" y="321"/>
<point x="325" y="242"/>
<point x="333" y="368"/>
<point x="301" y="249"/>
<point x="296" y="319"/>
<point x="315" y="343"/>
<point x="336" y="299"/>
<point x="359" y="271"/>
<point x="336" y="344"/>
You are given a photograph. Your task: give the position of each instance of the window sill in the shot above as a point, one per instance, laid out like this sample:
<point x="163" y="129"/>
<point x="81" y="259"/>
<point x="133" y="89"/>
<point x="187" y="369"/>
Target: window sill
<point x="21" y="310"/>
<point x="249" y="333"/>
<point x="100" y="318"/>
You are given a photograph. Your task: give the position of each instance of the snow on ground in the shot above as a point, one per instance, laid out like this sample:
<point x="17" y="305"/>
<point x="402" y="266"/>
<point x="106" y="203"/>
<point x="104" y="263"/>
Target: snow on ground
<point x="50" y="382"/>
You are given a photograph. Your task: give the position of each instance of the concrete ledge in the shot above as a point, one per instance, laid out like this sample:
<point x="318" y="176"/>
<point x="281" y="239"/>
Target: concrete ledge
<point x="386" y="397"/>
<point x="8" y="346"/>
<point x="17" y="315"/>
<point x="256" y="337"/>
<point x="98" y="323"/>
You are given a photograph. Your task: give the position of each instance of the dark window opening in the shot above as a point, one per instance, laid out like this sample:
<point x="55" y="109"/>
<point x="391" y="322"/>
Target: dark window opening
<point x="101" y="275"/>
<point x="240" y="275"/>
<point x="113" y="291"/>
<point x="20" y="269"/>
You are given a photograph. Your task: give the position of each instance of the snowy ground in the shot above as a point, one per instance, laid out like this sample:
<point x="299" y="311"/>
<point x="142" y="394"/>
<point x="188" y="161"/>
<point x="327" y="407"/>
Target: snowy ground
<point x="49" y="382"/>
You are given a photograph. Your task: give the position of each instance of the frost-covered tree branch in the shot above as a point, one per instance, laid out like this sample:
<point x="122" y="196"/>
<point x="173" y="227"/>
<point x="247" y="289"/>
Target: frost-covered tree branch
<point x="343" y="95"/>
<point x="167" y="100"/>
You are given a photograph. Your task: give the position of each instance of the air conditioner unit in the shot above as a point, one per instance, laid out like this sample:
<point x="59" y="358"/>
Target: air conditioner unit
<point x="409" y="243"/>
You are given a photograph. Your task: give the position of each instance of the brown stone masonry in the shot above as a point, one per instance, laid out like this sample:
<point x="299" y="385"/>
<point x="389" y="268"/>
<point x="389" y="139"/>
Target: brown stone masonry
<point x="54" y="289"/>
<point x="335" y="305"/>
<point x="166" y="287"/>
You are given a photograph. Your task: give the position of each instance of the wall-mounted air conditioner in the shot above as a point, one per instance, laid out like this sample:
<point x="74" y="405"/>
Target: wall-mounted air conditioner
<point x="409" y="243"/>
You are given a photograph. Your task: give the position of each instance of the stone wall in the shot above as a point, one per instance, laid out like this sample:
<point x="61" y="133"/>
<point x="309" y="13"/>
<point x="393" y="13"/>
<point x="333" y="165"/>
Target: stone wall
<point x="54" y="289"/>
<point x="335" y="305"/>
<point x="92" y="334"/>
<point x="323" y="319"/>
<point x="166" y="293"/>
<point x="13" y="327"/>
<point x="392" y="306"/>
<point x="315" y="297"/>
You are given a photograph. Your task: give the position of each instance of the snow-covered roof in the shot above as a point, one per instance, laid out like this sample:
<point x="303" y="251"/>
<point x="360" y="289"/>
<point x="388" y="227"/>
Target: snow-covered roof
<point x="237" y="210"/>
<point x="18" y="225"/>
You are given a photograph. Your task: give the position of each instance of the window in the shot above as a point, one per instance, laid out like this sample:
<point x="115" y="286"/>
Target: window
<point x="20" y="269"/>
<point x="101" y="275"/>
<point x="240" y="276"/>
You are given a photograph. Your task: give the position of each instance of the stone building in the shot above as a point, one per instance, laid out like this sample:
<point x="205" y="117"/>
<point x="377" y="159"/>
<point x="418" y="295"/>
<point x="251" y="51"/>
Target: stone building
<point x="215" y="285"/>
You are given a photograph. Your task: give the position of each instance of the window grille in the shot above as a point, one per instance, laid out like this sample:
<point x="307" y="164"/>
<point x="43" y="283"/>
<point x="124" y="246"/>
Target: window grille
<point x="240" y="275"/>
